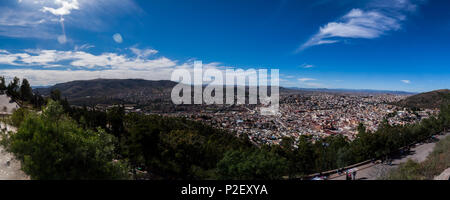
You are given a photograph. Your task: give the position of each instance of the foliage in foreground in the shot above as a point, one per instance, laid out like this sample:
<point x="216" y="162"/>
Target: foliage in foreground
<point x="82" y="146"/>
<point x="174" y="148"/>
<point x="251" y="165"/>
<point x="51" y="146"/>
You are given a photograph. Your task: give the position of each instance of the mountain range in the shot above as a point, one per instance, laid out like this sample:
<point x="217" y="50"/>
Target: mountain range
<point x="106" y="91"/>
<point x="109" y="91"/>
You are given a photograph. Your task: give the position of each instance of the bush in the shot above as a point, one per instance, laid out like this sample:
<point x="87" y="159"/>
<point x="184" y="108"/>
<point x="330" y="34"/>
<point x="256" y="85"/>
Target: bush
<point x="51" y="146"/>
<point x="19" y="116"/>
<point x="251" y="165"/>
<point x="410" y="170"/>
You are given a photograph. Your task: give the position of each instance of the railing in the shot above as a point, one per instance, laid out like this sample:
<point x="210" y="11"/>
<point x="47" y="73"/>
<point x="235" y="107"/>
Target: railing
<point x="330" y="172"/>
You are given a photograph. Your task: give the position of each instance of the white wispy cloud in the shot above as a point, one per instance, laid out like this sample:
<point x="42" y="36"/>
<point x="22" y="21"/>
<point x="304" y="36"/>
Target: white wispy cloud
<point x="41" y="77"/>
<point x="118" y="38"/>
<point x="49" y="67"/>
<point x="25" y="23"/>
<point x="379" y="18"/>
<point x="306" y="79"/>
<point x="83" y="47"/>
<point x="314" y="85"/>
<point x="288" y="76"/>
<point x="66" y="6"/>
<point x="83" y="60"/>
<point x="406" y="81"/>
<point x="307" y="66"/>
<point x="143" y="53"/>
<point x="310" y="82"/>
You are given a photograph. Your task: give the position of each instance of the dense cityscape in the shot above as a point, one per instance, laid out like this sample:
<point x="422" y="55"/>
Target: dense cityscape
<point x="319" y="115"/>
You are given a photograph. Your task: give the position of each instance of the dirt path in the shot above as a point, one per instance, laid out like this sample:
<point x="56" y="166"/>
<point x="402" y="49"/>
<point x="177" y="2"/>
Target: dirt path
<point x="6" y="105"/>
<point x="10" y="168"/>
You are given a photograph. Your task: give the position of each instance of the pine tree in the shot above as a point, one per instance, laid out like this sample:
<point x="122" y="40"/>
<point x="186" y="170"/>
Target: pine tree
<point x="2" y="84"/>
<point x="13" y="88"/>
<point x="26" y="93"/>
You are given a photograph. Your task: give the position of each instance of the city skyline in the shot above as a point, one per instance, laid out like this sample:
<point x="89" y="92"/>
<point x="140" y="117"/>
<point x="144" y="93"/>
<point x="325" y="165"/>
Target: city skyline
<point x="376" y="44"/>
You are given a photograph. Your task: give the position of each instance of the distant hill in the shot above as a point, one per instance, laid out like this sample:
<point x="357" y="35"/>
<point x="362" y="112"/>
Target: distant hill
<point x="138" y="91"/>
<point x="431" y="100"/>
<point x="112" y="91"/>
<point x="354" y="91"/>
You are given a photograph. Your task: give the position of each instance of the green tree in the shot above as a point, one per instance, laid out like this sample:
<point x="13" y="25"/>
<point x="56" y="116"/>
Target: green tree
<point x="361" y="128"/>
<point x="19" y="116"/>
<point x="51" y="146"/>
<point x="115" y="118"/>
<point x="13" y="88"/>
<point x="251" y="165"/>
<point x="304" y="156"/>
<point x="2" y="84"/>
<point x="38" y="101"/>
<point x="55" y="95"/>
<point x="26" y="93"/>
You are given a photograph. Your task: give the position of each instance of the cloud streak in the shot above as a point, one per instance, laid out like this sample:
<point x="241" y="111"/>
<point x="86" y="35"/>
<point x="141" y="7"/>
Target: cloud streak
<point x="306" y="79"/>
<point x="406" y="81"/>
<point x="143" y="53"/>
<point x="307" y="66"/>
<point x="377" y="20"/>
<point x="65" y="9"/>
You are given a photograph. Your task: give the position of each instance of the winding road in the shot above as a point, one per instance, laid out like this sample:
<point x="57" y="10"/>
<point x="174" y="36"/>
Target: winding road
<point x="374" y="171"/>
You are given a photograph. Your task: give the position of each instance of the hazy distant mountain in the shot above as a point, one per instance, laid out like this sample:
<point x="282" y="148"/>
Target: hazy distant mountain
<point x="354" y="91"/>
<point x="433" y="99"/>
<point x="108" y="91"/>
<point x="112" y="91"/>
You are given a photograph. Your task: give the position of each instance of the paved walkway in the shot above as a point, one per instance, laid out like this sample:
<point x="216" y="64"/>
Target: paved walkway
<point x="375" y="171"/>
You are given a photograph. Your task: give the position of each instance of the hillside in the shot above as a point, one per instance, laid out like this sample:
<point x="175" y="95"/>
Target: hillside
<point x="107" y="91"/>
<point x="112" y="91"/>
<point x="431" y="100"/>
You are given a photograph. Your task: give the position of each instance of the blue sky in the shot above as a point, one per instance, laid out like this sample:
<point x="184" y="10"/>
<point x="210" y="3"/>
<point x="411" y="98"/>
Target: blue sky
<point x="355" y="44"/>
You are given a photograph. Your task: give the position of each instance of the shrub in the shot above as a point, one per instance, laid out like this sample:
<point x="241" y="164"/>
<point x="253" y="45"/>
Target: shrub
<point x="51" y="146"/>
